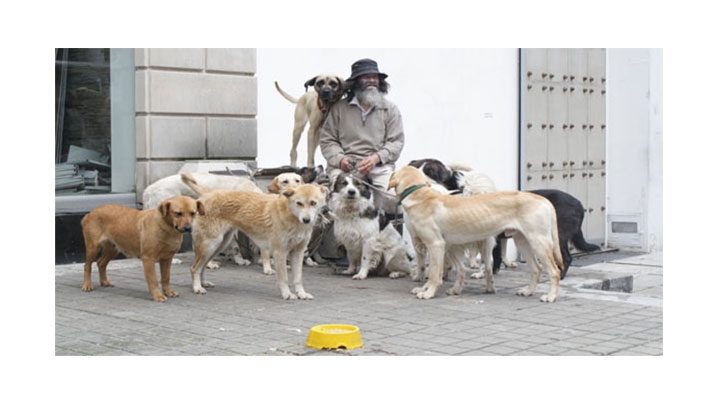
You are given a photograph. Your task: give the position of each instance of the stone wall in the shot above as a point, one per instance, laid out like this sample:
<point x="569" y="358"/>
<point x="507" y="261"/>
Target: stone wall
<point x="193" y="105"/>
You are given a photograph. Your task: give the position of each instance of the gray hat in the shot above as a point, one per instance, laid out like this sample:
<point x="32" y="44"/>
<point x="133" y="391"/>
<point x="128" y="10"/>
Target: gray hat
<point x="365" y="67"/>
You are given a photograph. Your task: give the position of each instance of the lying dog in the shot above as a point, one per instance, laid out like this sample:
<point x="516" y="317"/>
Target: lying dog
<point x="280" y="224"/>
<point x="371" y="245"/>
<point x="153" y="235"/>
<point x="172" y="185"/>
<point x="312" y="107"/>
<point x="438" y="220"/>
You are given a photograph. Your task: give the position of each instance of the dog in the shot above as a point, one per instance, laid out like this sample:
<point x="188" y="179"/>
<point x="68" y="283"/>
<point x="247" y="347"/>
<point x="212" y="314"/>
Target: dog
<point x="371" y="245"/>
<point x="312" y="107"/>
<point x="570" y="214"/>
<point x="457" y="179"/>
<point x="153" y="235"/>
<point x="172" y="185"/>
<point x="568" y="210"/>
<point x="286" y="180"/>
<point x="438" y="220"/>
<point x="280" y="224"/>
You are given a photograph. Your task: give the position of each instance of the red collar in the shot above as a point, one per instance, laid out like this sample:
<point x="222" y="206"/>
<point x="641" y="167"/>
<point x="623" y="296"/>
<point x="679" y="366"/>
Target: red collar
<point x="321" y="107"/>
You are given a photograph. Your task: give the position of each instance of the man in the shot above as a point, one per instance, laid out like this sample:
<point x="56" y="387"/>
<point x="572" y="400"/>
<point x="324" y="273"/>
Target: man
<point x="364" y="131"/>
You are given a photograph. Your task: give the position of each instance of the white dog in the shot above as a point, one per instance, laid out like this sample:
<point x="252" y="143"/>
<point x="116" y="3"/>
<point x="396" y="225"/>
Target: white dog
<point x="370" y="246"/>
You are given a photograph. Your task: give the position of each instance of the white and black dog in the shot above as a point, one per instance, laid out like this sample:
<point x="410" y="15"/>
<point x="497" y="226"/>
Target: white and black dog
<point x="569" y="210"/>
<point x="371" y="245"/>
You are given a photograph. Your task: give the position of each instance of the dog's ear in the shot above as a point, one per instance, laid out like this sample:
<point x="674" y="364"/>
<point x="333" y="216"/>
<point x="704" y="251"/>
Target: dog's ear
<point x="393" y="182"/>
<point x="274" y="187"/>
<point x="325" y="191"/>
<point x="200" y="207"/>
<point x="367" y="179"/>
<point x="310" y="83"/>
<point x="164" y="208"/>
<point x="289" y="192"/>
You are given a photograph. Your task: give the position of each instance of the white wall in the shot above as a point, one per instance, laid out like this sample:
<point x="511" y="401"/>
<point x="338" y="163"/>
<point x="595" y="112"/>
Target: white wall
<point x="458" y="105"/>
<point x="635" y="175"/>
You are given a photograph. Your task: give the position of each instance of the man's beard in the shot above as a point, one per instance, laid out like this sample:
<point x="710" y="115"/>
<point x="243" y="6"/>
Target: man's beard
<point x="370" y="95"/>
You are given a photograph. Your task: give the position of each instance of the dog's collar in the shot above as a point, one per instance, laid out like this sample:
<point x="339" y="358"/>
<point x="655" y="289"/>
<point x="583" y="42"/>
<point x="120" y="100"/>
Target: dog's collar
<point x="321" y="107"/>
<point x="409" y="191"/>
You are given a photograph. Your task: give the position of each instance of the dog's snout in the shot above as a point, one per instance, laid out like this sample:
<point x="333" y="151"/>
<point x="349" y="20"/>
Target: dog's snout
<point x="351" y="192"/>
<point x="184" y="229"/>
<point x="306" y="220"/>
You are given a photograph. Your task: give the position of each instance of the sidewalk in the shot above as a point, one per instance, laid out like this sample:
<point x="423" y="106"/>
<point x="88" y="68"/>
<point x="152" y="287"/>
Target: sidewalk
<point x="245" y="315"/>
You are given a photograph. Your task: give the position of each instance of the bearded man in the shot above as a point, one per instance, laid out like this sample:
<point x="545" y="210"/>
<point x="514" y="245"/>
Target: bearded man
<point x="364" y="131"/>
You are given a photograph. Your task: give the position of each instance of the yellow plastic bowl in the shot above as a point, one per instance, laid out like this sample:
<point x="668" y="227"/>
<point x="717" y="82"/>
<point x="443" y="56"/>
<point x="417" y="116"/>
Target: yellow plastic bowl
<point x="334" y="336"/>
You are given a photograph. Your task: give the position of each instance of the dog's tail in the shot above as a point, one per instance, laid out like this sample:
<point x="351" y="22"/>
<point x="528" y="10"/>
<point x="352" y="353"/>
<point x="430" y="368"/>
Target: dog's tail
<point x="581" y="244"/>
<point x="190" y="181"/>
<point x="287" y="96"/>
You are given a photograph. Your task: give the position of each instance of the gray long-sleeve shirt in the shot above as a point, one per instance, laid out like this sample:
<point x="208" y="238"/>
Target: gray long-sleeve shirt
<point x="345" y="133"/>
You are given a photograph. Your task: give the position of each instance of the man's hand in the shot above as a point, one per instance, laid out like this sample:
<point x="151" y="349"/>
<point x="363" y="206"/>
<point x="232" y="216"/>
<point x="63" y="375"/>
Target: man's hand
<point x="367" y="164"/>
<point x="346" y="164"/>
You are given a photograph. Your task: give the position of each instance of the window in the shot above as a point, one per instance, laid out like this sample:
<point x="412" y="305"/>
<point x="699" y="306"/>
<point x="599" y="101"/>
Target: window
<point x="94" y="127"/>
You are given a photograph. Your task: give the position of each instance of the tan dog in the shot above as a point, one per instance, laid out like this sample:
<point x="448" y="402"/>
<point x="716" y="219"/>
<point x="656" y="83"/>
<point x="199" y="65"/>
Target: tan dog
<point x="153" y="235"/>
<point x="437" y="220"/>
<point x="283" y="181"/>
<point x="312" y="107"/>
<point x="280" y="224"/>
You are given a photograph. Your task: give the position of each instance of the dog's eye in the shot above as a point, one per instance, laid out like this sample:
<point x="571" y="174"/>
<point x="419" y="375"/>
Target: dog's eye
<point x="320" y="82"/>
<point x="333" y="84"/>
<point x="178" y="214"/>
<point x="313" y="203"/>
<point x="299" y="204"/>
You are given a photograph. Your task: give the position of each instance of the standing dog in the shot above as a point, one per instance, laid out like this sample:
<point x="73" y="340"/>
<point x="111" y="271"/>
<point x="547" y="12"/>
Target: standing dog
<point x="312" y="107"/>
<point x="437" y="220"/>
<point x="153" y="235"/>
<point x="370" y="243"/>
<point x="280" y="224"/>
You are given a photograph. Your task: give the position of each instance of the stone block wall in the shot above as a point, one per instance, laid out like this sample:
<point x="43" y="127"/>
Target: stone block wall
<point x="193" y="105"/>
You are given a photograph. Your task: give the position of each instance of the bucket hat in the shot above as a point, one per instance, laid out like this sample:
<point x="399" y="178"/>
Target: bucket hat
<point x="365" y="67"/>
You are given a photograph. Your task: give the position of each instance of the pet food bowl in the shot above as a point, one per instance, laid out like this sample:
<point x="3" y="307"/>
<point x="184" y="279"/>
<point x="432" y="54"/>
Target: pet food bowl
<point x="334" y="336"/>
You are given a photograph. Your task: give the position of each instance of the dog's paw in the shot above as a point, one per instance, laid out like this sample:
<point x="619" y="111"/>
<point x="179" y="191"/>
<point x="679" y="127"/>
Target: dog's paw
<point x="359" y="276"/>
<point x="171" y="293"/>
<point x="269" y="271"/>
<point x="479" y="274"/>
<point x="396" y="274"/>
<point x="240" y="261"/>
<point x="304" y="295"/>
<point x="525" y="292"/>
<point x="159" y="297"/>
<point x="453" y="291"/>
<point x="176" y="261"/>
<point x="310" y="262"/>
<point x="106" y="283"/>
<point x="213" y="265"/>
<point x="87" y="287"/>
<point x="208" y="284"/>
<point x="289" y="296"/>
<point x="347" y="272"/>
<point x="548" y="298"/>
<point x="199" y="290"/>
<point x="426" y="295"/>
<point x="509" y="264"/>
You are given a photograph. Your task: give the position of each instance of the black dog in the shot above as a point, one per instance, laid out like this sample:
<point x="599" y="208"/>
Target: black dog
<point x="568" y="209"/>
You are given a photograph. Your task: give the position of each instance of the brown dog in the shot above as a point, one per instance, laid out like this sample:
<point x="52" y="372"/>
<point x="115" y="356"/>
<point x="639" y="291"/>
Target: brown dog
<point x="437" y="220"/>
<point x="153" y="235"/>
<point x="312" y="107"/>
<point x="279" y="224"/>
